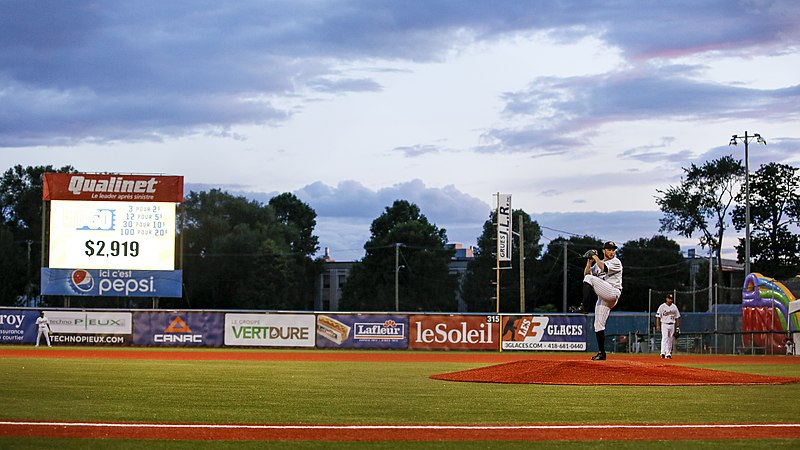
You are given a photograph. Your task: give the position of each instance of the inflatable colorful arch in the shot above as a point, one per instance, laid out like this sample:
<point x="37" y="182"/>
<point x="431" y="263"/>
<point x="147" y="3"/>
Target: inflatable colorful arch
<point x="765" y="307"/>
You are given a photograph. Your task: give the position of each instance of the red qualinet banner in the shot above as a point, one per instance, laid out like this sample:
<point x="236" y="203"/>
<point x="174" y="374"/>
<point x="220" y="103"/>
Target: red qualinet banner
<point x="112" y="187"/>
<point x="454" y="332"/>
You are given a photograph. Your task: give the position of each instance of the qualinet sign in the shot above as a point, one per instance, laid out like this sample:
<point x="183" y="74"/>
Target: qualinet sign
<point x="453" y="332"/>
<point x="114" y="187"/>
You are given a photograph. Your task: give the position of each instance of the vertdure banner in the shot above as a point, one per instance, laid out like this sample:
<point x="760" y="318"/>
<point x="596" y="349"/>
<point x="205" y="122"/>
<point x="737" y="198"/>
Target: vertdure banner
<point x="270" y="330"/>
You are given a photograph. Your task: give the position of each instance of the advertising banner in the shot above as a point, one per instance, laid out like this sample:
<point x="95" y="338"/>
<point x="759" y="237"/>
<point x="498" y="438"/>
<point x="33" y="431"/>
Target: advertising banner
<point x="362" y="331"/>
<point x="112" y="187"/>
<point x="454" y="332"/>
<point x="178" y="329"/>
<point x="18" y="327"/>
<point x="565" y="333"/>
<point x="270" y="330"/>
<point x="90" y="327"/>
<point x="504" y="227"/>
<point x="111" y="283"/>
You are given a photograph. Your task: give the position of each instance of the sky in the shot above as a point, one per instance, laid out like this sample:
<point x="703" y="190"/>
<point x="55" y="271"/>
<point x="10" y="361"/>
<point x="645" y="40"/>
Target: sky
<point x="582" y="111"/>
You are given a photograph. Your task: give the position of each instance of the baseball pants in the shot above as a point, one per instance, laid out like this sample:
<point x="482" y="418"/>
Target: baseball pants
<point x="46" y="337"/>
<point x="667" y="336"/>
<point x="607" y="297"/>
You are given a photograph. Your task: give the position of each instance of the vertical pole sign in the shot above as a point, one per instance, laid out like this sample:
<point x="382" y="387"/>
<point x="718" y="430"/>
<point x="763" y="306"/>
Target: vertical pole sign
<point x="503" y="238"/>
<point x="111" y="235"/>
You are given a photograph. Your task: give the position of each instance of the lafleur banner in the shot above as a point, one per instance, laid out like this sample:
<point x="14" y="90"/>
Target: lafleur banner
<point x="111" y="283"/>
<point x="361" y="331"/>
<point x="544" y="333"/>
<point x="112" y="187"/>
<point x="178" y="329"/>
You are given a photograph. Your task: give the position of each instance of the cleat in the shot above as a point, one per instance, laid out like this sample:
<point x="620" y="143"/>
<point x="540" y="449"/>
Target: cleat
<point x="669" y="356"/>
<point x="599" y="357"/>
<point x="578" y="309"/>
<point x="662" y="356"/>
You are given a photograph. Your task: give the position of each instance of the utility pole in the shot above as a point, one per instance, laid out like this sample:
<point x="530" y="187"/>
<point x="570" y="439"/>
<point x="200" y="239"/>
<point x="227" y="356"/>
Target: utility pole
<point x="565" y="275"/>
<point x="397" y="276"/>
<point x="521" y="267"/>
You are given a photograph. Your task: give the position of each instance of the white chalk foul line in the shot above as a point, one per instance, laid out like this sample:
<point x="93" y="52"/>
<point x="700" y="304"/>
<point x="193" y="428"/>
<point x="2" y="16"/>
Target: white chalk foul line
<point x="399" y="427"/>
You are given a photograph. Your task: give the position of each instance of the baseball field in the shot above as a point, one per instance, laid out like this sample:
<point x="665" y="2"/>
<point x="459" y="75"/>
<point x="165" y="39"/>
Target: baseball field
<point x="76" y="397"/>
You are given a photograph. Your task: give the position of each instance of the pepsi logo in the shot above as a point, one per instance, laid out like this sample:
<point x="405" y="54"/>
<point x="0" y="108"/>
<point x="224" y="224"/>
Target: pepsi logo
<point x="82" y="280"/>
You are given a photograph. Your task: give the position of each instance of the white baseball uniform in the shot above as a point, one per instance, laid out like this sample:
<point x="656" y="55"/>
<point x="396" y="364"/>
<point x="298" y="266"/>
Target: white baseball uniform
<point x="607" y="284"/>
<point x="44" y="329"/>
<point x="668" y="315"/>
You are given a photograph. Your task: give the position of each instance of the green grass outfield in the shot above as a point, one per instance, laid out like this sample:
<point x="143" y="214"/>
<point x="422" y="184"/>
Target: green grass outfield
<point x="309" y="392"/>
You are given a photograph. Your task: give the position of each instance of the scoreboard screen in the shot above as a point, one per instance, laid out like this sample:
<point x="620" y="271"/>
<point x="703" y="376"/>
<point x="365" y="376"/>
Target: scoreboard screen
<point x="112" y="235"/>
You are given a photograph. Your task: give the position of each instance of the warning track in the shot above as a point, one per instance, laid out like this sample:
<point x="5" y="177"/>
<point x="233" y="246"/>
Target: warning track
<point x="399" y="432"/>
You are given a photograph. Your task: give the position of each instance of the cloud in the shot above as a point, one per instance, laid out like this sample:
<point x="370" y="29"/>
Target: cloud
<point x="84" y="71"/>
<point x="567" y="110"/>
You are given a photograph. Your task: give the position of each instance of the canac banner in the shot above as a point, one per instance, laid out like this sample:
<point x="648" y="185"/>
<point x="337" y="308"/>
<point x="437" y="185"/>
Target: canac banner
<point x="454" y="332"/>
<point x="270" y="330"/>
<point x="111" y="283"/>
<point x="361" y="331"/>
<point x="112" y="187"/>
<point x="549" y="333"/>
<point x="178" y="329"/>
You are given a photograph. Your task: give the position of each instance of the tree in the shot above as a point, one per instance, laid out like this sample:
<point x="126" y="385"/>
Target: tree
<point x="549" y="271"/>
<point x="423" y="279"/>
<point x="21" y="230"/>
<point x="701" y="202"/>
<point x="774" y="208"/>
<point x="479" y="291"/>
<point x="239" y="255"/>
<point x="299" y="220"/>
<point x="655" y="263"/>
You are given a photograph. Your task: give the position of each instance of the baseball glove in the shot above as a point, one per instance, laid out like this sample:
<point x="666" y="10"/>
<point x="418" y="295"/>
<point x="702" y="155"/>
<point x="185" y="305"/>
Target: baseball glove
<point x="677" y="332"/>
<point x="590" y="253"/>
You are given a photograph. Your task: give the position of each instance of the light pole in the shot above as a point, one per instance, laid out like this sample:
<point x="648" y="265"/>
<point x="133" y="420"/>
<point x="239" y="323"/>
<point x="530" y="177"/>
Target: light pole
<point x="746" y="139"/>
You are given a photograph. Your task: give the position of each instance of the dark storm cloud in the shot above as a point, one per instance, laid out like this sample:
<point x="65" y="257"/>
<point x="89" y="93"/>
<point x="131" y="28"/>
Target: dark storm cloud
<point x="86" y="71"/>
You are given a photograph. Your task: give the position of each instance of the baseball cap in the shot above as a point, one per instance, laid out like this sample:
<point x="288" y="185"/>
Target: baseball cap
<point x="610" y="244"/>
<point x="669" y="296"/>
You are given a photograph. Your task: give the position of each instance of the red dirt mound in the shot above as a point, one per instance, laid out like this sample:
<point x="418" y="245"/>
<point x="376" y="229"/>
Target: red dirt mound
<point x="605" y="373"/>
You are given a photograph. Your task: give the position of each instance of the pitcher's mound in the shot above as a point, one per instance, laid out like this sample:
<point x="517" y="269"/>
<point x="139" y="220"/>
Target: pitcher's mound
<point x="574" y="372"/>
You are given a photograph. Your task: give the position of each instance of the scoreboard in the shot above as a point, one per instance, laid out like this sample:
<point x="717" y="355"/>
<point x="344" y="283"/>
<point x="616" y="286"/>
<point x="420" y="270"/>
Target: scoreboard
<point x="111" y="235"/>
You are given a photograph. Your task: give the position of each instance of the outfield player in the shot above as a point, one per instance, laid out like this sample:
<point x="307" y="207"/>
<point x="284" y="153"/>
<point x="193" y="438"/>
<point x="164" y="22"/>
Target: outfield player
<point x="668" y="319"/>
<point x="43" y="324"/>
<point x="603" y="279"/>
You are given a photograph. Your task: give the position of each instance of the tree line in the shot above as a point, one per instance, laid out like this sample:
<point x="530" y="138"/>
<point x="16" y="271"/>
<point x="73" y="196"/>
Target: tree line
<point x="244" y="254"/>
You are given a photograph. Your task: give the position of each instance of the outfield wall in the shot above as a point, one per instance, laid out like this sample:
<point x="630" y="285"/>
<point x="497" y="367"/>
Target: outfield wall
<point x="254" y="329"/>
